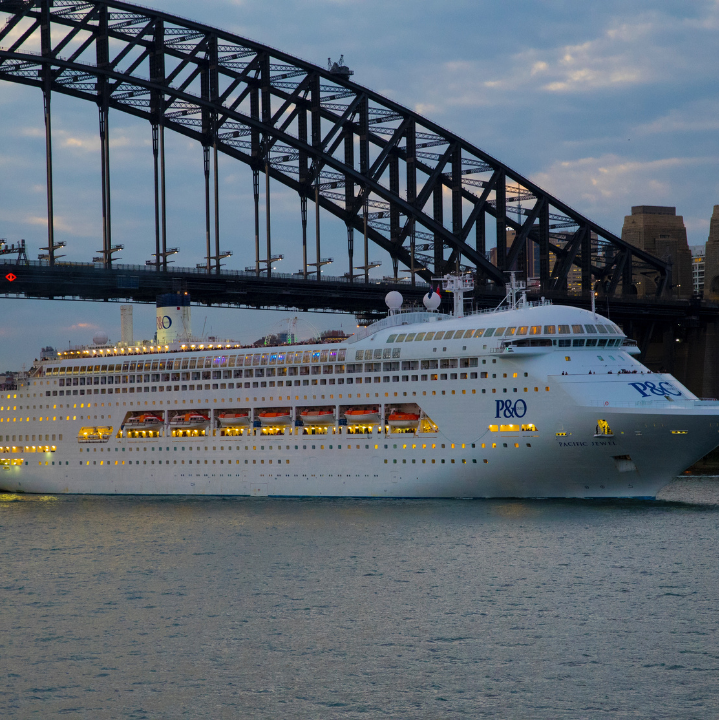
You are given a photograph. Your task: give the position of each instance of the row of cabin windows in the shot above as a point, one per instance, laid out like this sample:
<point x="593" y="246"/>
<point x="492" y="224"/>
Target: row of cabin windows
<point x="207" y="362"/>
<point x="507" y="332"/>
<point x="271" y="372"/>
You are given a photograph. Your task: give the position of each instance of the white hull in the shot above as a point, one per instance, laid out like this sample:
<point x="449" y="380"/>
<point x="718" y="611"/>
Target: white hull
<point x="524" y="426"/>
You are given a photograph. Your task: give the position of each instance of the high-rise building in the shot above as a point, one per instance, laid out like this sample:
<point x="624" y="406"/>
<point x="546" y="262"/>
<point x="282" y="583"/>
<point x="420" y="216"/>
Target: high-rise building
<point x="698" y="269"/>
<point x="661" y="232"/>
<point x="711" y="259"/>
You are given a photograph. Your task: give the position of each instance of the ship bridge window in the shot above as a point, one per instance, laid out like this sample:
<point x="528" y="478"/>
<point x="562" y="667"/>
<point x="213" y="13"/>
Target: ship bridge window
<point x="479" y="333"/>
<point x="535" y="330"/>
<point x="564" y="329"/>
<point x="511" y="331"/>
<point x="429" y="336"/>
<point x="419" y="336"/>
<point x="400" y="338"/>
<point x="591" y="343"/>
<point x="590" y="328"/>
<point x="323" y="356"/>
<point x="469" y="333"/>
<point x="489" y="332"/>
<point x="602" y="329"/>
<point x="578" y="329"/>
<point x="392" y="338"/>
<point x="549" y="329"/>
<point x="522" y="330"/>
<point x="439" y="335"/>
<point x="577" y="343"/>
<point x="410" y="337"/>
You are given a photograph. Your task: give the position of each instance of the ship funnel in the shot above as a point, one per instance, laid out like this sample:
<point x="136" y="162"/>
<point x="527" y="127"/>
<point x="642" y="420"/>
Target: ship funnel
<point x="173" y="318"/>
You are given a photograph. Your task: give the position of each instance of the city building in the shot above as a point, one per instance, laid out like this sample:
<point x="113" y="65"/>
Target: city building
<point x="711" y="259"/>
<point x="661" y="232"/>
<point x="698" y="252"/>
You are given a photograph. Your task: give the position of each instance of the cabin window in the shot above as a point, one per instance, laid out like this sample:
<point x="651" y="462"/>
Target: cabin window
<point x="323" y="355"/>
<point x="522" y="330"/>
<point x="305" y="357"/>
<point x="341" y="355"/>
<point x="510" y="331"/>
<point x="392" y="338"/>
<point x="590" y="328"/>
<point x="564" y="329"/>
<point x="429" y="336"/>
<point x="489" y="332"/>
<point x="418" y="337"/>
<point x="549" y="330"/>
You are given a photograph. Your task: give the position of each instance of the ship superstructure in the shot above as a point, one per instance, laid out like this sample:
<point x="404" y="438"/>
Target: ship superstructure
<point x="530" y="400"/>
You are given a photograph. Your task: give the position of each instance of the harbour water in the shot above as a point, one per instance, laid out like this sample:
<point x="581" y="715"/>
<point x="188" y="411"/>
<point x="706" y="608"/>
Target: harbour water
<point x="124" y="607"/>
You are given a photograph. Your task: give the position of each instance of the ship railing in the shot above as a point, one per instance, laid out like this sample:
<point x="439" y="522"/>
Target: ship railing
<point x="410" y="317"/>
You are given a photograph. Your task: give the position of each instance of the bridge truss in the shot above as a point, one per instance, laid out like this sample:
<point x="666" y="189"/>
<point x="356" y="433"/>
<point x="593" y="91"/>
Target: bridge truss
<point x="380" y="168"/>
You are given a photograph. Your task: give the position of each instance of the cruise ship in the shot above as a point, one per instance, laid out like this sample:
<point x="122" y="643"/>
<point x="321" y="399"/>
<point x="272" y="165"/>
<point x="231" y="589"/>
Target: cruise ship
<point x="528" y="400"/>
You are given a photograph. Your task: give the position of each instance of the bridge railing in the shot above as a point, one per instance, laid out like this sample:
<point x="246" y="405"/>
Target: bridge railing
<point x="120" y="267"/>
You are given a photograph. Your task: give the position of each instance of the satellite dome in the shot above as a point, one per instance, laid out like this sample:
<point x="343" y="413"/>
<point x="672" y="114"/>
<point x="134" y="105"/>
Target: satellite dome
<point x="432" y="300"/>
<point x="100" y="338"/>
<point x="394" y="300"/>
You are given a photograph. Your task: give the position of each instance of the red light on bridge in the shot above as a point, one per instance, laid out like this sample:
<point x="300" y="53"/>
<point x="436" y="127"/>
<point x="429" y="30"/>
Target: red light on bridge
<point x="10" y="277"/>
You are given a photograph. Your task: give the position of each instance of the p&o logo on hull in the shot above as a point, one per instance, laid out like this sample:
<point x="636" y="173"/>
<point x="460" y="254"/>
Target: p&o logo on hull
<point x="508" y="409"/>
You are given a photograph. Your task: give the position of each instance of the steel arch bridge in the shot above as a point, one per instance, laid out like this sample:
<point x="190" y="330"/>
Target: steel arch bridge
<point x="377" y="166"/>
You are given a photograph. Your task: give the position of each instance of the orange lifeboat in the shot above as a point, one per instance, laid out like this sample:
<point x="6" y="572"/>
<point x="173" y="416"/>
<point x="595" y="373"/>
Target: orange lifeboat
<point x="274" y="419"/>
<point x="143" y="422"/>
<point x="402" y="420"/>
<point x="318" y="417"/>
<point x="189" y="421"/>
<point x="362" y="416"/>
<point x="240" y="419"/>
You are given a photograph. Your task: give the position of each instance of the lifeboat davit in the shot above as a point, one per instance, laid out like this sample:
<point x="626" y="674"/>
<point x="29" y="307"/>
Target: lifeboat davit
<point x="318" y="417"/>
<point x="189" y="421"/>
<point x="273" y="419"/>
<point x="403" y="421"/>
<point x="362" y="416"/>
<point x="241" y="419"/>
<point x="144" y="421"/>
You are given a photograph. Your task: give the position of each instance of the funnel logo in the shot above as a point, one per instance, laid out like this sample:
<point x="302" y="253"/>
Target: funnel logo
<point x="164" y="322"/>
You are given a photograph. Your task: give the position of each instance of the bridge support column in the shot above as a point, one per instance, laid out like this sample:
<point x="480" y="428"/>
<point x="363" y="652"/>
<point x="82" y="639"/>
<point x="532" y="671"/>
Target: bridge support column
<point x="155" y="153"/>
<point x="303" y="212"/>
<point x="206" y="165"/>
<point x="351" y="251"/>
<point x="267" y="218"/>
<point x="217" y="209"/>
<point x="317" y="227"/>
<point x="105" y="189"/>
<point x="48" y="170"/>
<point x="256" y="195"/>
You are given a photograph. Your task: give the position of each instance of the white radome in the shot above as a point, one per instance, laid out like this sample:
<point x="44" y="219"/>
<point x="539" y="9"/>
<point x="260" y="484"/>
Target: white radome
<point x="100" y="338"/>
<point x="394" y="300"/>
<point x="432" y="300"/>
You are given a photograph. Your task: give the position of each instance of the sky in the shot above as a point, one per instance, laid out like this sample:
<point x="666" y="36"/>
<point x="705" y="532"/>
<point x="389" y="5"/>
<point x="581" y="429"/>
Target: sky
<point x="605" y="105"/>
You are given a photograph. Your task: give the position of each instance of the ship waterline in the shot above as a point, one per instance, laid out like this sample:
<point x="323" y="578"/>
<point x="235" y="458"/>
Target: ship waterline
<point x="530" y="401"/>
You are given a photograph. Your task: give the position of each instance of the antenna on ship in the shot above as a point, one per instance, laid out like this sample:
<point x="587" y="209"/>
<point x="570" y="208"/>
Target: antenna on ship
<point x="513" y="287"/>
<point x="457" y="284"/>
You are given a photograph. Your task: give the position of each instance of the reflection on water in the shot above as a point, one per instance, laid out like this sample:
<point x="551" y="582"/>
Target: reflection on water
<point x="226" y="608"/>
